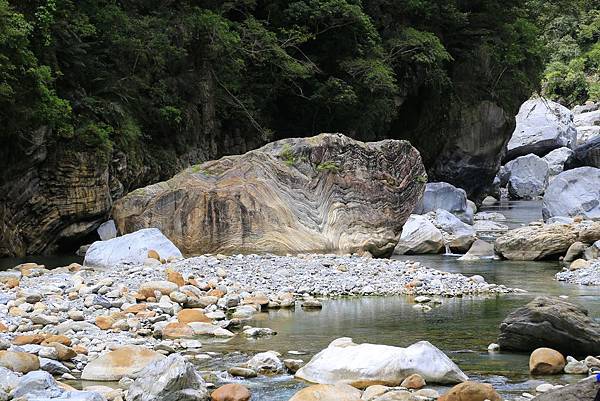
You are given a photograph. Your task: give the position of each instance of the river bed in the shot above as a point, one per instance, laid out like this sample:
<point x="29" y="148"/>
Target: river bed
<point x="461" y="327"/>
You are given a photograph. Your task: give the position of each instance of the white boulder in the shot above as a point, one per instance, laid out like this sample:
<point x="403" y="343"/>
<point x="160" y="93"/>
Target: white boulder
<point x="588" y="119"/>
<point x="573" y="193"/>
<point x="130" y="248"/>
<point x="528" y="177"/>
<point x="556" y="160"/>
<point x="418" y="236"/>
<point x="541" y="126"/>
<point x="361" y="365"/>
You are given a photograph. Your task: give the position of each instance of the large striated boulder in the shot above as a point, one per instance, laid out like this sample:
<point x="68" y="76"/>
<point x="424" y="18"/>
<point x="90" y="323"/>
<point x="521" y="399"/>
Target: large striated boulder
<point x="325" y="193"/>
<point x="572" y="193"/>
<point x="362" y="365"/>
<point x="550" y="322"/>
<point x="585" y="390"/>
<point x="130" y="248"/>
<point x="168" y="379"/>
<point x="419" y="236"/>
<point x="441" y="195"/>
<point x="542" y="126"/>
<point x="528" y="177"/>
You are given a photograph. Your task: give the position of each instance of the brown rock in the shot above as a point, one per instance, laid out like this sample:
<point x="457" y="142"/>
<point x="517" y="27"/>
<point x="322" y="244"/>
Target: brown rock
<point x="546" y="361"/>
<point x="192" y="315"/>
<point x="231" y="392"/>
<point x="536" y="242"/>
<point x="152" y="254"/>
<point x="267" y="198"/>
<point x="164" y="287"/>
<point x="3" y="328"/>
<point x="125" y="361"/>
<point x="258" y="299"/>
<point x="29" y="339"/>
<point x="136" y="308"/>
<point x="80" y="349"/>
<point x="177" y="330"/>
<point x="105" y="322"/>
<point x="15" y="311"/>
<point x="21" y="362"/>
<point x="64" y="353"/>
<point x="64" y="340"/>
<point x="414" y="381"/>
<point x="471" y="391"/>
<point x="216" y="293"/>
<point x="175" y="277"/>
<point x="327" y="392"/>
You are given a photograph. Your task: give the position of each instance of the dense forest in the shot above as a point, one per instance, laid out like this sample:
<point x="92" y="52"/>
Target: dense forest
<point x="146" y="87"/>
<point x="111" y="73"/>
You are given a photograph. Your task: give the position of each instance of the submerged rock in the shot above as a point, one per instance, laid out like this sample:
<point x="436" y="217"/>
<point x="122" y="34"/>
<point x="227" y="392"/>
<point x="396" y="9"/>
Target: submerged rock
<point x="550" y="322"/>
<point x="364" y="364"/>
<point x="130" y="248"/>
<point x="324" y="193"/>
<point x="542" y="126"/>
<point x="584" y="390"/>
<point x="168" y="379"/>
<point x="419" y="236"/>
<point x="574" y="193"/>
<point x="441" y="195"/>
<point x="471" y="391"/>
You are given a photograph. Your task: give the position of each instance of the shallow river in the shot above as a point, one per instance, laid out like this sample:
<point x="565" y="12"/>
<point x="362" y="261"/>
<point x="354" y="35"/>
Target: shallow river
<point x="461" y="327"/>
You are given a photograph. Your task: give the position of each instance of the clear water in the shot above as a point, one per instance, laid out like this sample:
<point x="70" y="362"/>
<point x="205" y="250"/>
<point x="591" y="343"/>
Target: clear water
<point x="461" y="327"/>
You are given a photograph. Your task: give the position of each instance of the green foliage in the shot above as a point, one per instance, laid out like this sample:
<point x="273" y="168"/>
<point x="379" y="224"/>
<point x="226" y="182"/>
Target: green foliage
<point x="328" y="166"/>
<point x="165" y="78"/>
<point x="287" y="155"/>
<point x="572" y="45"/>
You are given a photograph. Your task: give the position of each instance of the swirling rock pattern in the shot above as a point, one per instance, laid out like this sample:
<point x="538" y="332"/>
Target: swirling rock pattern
<point x="323" y="193"/>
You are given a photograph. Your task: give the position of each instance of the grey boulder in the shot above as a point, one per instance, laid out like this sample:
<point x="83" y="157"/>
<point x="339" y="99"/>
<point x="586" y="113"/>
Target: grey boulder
<point x="585" y="155"/>
<point x="459" y="235"/>
<point x="552" y="323"/>
<point x="541" y="126"/>
<point x="130" y="248"/>
<point x="441" y="195"/>
<point x="107" y="230"/>
<point x="573" y="193"/>
<point x="585" y="390"/>
<point x="169" y="379"/>
<point x="528" y="177"/>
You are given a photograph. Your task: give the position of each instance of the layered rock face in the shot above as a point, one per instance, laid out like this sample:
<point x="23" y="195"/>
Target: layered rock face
<point x="324" y="193"/>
